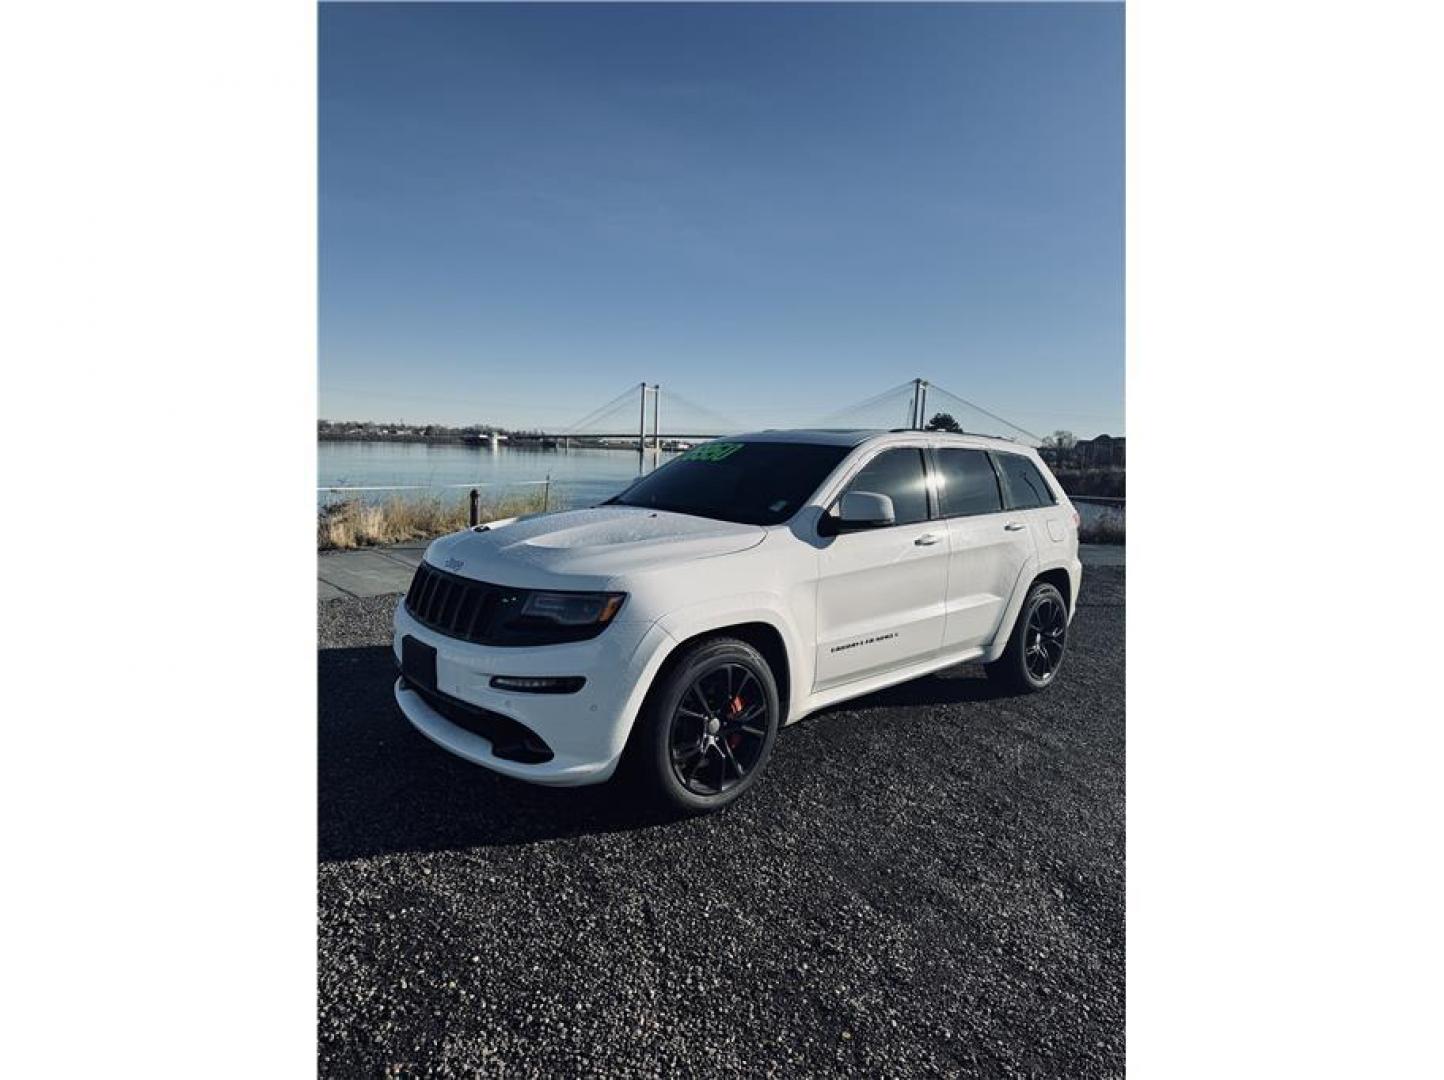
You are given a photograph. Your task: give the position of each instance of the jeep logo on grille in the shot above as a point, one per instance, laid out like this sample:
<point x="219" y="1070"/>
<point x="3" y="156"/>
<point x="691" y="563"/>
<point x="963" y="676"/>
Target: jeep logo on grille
<point x="454" y="564"/>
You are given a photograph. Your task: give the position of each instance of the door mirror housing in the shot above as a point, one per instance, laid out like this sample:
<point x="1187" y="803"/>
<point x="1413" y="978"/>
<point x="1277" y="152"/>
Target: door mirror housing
<point x="865" y="510"/>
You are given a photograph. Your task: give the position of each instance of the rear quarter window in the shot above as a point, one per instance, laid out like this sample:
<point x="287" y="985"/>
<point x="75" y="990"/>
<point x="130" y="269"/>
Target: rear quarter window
<point x="1023" y="483"/>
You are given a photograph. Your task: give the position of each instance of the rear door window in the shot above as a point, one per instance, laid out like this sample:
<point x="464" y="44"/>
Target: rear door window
<point x="967" y="481"/>
<point x="898" y="474"/>
<point x="1023" y="483"/>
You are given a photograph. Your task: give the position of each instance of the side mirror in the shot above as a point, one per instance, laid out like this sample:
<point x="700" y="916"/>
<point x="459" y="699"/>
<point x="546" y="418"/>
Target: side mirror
<point x="864" y="510"/>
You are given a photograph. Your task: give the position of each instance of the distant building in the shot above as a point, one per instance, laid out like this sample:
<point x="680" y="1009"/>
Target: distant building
<point x="1100" y="452"/>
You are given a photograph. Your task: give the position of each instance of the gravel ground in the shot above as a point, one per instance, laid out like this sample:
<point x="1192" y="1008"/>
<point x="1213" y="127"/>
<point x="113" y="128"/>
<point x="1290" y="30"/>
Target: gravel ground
<point x="927" y="881"/>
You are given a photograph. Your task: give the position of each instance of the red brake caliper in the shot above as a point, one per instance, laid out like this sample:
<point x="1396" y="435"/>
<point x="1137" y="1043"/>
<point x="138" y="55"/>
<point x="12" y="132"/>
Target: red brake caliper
<point x="735" y="707"/>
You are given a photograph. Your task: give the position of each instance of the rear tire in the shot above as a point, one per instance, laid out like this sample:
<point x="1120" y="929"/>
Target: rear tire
<point x="706" y="733"/>
<point x="1038" y="644"/>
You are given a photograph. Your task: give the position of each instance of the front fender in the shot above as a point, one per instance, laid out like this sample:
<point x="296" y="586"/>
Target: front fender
<point x="758" y="607"/>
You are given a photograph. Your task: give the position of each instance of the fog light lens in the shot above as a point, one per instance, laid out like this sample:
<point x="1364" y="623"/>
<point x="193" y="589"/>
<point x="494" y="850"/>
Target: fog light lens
<point x="542" y="684"/>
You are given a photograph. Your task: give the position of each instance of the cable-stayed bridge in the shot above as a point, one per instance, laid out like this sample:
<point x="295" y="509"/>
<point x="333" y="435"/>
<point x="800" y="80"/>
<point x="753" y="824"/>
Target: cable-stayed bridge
<point x="646" y="415"/>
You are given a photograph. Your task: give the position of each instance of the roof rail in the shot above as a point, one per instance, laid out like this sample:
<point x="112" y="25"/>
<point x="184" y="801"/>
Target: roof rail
<point x="940" y="431"/>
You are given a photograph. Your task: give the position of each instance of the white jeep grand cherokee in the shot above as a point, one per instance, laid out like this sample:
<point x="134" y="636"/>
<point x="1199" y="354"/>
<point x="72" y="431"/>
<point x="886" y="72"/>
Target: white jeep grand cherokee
<point x="738" y="588"/>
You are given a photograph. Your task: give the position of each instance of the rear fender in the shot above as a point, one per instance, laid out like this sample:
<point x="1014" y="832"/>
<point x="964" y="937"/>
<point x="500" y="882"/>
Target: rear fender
<point x="1031" y="569"/>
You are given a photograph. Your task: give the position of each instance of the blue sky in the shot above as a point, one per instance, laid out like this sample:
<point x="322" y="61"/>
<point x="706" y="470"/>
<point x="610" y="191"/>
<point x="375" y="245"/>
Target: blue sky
<point x="775" y="210"/>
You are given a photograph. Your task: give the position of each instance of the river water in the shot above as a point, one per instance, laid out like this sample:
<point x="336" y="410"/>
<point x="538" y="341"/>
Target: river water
<point x="579" y="477"/>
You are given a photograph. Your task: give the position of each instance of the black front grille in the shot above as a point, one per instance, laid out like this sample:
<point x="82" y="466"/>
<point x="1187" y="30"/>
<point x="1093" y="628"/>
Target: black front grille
<point x="483" y="613"/>
<point x="460" y="607"/>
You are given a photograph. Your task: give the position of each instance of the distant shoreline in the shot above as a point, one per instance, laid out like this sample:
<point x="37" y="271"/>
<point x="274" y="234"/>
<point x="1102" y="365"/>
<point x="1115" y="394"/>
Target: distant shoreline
<point x="327" y="436"/>
<point x="577" y="442"/>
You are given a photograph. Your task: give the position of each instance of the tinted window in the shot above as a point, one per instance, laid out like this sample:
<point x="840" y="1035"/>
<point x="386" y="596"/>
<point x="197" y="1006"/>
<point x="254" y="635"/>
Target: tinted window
<point x="899" y="475"/>
<point x="756" y="483"/>
<point x="969" y="485"/>
<point x="1025" y="484"/>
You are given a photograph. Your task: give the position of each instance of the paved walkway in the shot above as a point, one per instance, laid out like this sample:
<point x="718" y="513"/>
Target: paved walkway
<point x="367" y="572"/>
<point x="380" y="570"/>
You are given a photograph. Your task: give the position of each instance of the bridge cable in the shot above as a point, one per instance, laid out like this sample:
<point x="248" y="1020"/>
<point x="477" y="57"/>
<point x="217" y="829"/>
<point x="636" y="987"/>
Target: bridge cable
<point x="724" y="422"/>
<point x="869" y="402"/>
<point x="597" y="413"/>
<point x="978" y="408"/>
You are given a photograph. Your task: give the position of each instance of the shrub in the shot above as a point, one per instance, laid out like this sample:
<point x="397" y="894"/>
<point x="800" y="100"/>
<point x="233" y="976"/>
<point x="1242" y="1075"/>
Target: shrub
<point x="354" y="523"/>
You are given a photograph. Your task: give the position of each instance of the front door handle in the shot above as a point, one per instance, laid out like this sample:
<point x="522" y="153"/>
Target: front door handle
<point x="1014" y="526"/>
<point x="926" y="539"/>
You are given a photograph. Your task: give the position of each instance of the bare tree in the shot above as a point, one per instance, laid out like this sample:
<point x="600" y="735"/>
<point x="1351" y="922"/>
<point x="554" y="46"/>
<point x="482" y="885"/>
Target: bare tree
<point x="1061" y="440"/>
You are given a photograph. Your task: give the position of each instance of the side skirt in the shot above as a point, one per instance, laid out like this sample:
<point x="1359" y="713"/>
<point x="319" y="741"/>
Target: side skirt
<point x="861" y="687"/>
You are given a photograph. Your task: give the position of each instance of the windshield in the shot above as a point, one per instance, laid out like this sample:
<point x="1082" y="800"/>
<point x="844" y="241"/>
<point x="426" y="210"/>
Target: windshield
<point x="753" y="483"/>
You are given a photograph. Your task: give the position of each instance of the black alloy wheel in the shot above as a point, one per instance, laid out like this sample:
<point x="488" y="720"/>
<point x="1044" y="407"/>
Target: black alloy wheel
<point x="1038" y="643"/>
<point x="719" y="730"/>
<point x="707" y="730"/>
<point x="1044" y="640"/>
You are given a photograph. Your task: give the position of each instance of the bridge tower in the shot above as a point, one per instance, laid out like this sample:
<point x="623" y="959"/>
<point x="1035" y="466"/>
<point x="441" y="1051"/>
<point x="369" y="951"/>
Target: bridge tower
<point x="920" y="403"/>
<point x="656" y="391"/>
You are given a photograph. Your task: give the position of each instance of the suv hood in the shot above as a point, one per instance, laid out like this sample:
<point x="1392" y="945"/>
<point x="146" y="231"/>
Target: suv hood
<point x="597" y="544"/>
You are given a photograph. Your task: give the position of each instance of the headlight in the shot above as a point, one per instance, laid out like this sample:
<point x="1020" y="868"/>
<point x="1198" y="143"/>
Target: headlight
<point x="572" y="608"/>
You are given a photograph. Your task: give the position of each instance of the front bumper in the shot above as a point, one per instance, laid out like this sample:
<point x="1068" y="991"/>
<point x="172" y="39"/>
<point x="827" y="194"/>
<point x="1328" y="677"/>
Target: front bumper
<point x="586" y="731"/>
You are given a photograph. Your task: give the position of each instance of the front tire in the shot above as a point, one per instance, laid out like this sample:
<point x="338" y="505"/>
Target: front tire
<point x="709" y="726"/>
<point x="1038" y="643"/>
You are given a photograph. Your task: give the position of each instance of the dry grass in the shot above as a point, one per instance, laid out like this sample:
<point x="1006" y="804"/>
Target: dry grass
<point x="1108" y="529"/>
<point x="354" y="524"/>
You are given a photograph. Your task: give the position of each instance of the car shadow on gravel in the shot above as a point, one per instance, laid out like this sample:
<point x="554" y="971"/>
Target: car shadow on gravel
<point x="383" y="788"/>
<point x="951" y="686"/>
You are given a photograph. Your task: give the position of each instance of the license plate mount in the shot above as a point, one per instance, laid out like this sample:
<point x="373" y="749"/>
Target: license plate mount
<point x="418" y="663"/>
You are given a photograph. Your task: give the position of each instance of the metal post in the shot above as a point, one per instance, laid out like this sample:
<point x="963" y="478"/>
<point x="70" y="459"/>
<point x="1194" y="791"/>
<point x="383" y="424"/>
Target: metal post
<point x="917" y="386"/>
<point x="656" y="417"/>
<point x="923" y="405"/>
<point x="547" y="494"/>
<point x="475" y="513"/>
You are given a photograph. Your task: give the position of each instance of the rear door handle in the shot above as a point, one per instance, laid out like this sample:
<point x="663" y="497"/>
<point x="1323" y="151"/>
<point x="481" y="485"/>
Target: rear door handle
<point x="1014" y="526"/>
<point x="926" y="539"/>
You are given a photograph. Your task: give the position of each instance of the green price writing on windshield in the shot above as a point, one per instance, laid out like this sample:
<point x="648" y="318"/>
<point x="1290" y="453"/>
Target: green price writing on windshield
<point x="716" y="451"/>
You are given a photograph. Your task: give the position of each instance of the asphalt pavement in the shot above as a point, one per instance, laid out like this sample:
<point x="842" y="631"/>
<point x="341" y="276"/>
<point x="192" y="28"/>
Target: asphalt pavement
<point x="927" y="881"/>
